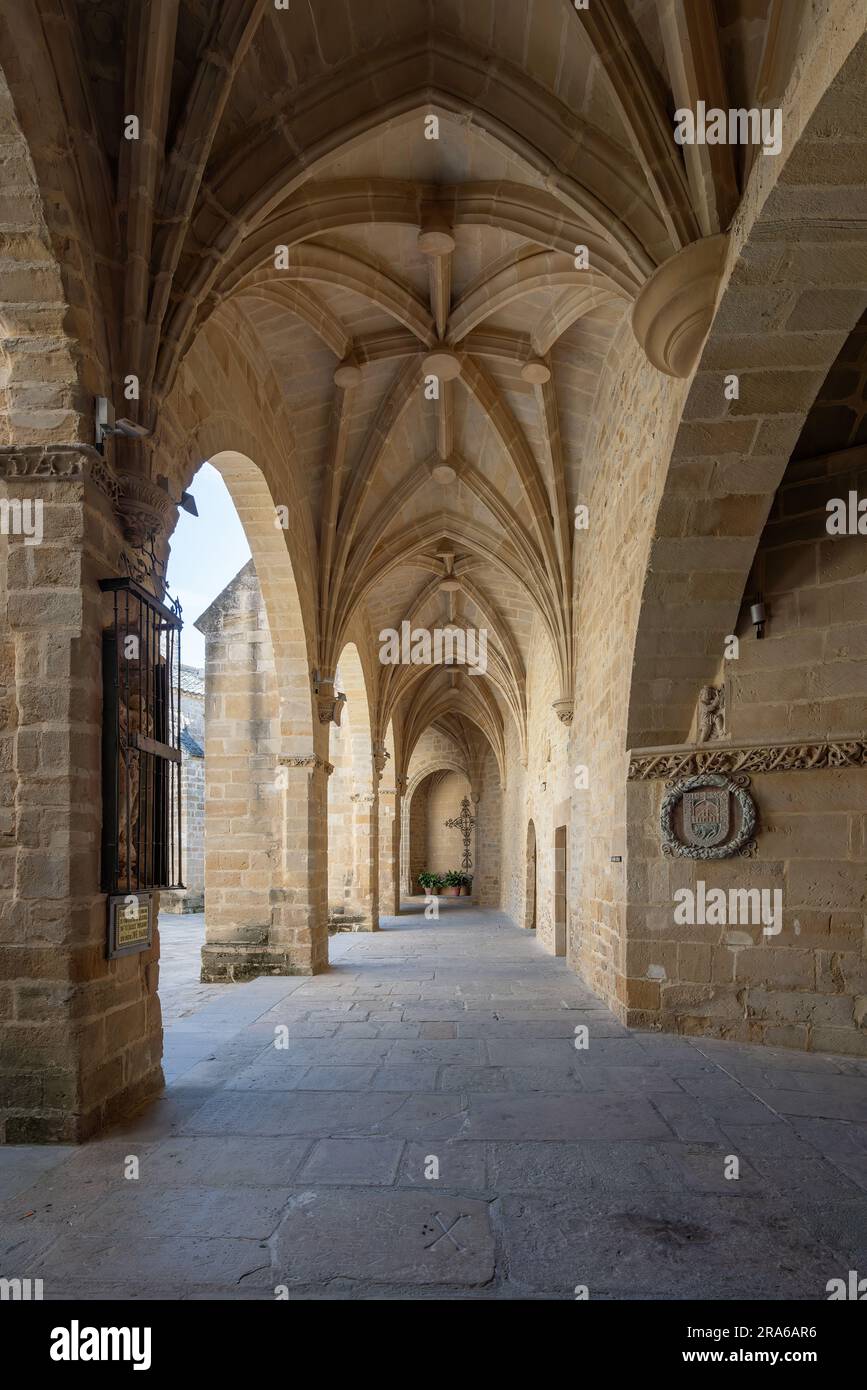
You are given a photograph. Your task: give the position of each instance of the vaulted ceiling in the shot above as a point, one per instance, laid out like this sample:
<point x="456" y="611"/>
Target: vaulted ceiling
<point x="407" y="257"/>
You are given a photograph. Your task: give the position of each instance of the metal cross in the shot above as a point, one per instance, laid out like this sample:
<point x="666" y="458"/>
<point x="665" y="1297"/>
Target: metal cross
<point x="464" y="823"/>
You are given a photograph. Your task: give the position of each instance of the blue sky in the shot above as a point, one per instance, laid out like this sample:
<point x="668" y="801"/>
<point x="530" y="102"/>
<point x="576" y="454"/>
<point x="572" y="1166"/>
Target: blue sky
<point x="206" y="552"/>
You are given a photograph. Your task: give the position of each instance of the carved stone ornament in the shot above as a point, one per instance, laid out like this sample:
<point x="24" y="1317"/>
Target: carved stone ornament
<point x="711" y="712"/>
<point x="311" y="760"/>
<point x="145" y="509"/>
<point x="754" y="758"/>
<point x="708" y="817"/>
<point x="329" y="703"/>
<point x="564" y="710"/>
<point x="381" y="756"/>
<point x="59" y="463"/>
<point x="675" y="307"/>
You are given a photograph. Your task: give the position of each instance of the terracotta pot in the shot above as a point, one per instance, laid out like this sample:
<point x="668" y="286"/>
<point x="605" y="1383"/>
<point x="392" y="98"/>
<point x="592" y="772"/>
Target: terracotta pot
<point x="452" y="891"/>
<point x="465" y="892"/>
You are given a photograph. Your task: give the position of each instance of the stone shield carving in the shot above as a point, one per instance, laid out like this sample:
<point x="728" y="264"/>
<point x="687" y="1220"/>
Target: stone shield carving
<point x="708" y="817"/>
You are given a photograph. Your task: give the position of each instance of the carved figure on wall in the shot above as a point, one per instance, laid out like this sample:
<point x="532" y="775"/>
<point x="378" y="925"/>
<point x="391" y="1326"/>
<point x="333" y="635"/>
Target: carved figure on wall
<point x="711" y="713"/>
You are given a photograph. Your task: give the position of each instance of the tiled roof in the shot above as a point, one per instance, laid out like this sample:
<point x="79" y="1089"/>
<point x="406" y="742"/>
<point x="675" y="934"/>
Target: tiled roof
<point x="192" y="680"/>
<point x="190" y="746"/>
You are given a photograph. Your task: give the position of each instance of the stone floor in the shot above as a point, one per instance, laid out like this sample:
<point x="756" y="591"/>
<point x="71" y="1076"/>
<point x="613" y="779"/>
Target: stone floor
<point x="447" y="1046"/>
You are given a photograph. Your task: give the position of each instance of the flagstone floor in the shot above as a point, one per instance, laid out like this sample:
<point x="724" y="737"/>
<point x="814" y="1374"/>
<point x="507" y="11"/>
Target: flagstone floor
<point x="430" y="1130"/>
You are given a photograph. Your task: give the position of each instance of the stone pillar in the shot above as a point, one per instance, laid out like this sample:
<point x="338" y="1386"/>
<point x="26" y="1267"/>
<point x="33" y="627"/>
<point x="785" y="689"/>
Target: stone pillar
<point x="264" y="812"/>
<point x="475" y="798"/>
<point x="81" y="1034"/>
<point x="299" y="917"/>
<point x="396" y="845"/>
<point x="389" y="850"/>
<point x="365" y="839"/>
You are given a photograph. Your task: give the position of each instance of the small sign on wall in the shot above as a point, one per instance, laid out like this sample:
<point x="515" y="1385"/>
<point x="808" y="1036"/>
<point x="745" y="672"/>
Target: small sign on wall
<point x="130" y="924"/>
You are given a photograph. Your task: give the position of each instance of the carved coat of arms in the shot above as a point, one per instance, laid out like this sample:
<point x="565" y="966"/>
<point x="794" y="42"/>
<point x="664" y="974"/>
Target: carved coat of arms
<point x="708" y="816"/>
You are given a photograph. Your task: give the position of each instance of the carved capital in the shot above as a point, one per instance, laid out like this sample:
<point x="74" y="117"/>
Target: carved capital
<point x="675" y="307"/>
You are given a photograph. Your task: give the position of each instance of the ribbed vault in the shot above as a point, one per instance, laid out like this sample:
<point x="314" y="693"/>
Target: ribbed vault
<point x="285" y="189"/>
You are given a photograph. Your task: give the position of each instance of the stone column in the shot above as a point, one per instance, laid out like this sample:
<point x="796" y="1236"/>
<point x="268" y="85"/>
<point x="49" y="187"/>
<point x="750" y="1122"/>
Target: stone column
<point x="81" y="1034"/>
<point x="475" y="798"/>
<point x="365" y="897"/>
<point x="299" y="915"/>
<point x="396" y="847"/>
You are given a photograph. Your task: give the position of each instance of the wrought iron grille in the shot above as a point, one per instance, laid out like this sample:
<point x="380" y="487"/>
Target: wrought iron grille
<point x="141" y="754"/>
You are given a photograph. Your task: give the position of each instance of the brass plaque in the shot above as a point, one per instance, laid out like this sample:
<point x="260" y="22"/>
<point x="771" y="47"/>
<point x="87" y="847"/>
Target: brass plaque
<point x="130" y="924"/>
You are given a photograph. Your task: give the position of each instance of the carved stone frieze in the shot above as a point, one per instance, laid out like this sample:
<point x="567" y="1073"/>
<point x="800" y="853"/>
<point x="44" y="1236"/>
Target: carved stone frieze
<point x="59" y="463"/>
<point x="756" y="758"/>
<point x="311" y="760"/>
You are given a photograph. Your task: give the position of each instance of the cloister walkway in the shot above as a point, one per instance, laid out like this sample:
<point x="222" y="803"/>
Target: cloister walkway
<point x="430" y="1129"/>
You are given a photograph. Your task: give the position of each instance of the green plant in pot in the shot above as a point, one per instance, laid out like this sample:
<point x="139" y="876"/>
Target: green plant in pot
<point x="466" y="885"/>
<point x="432" y="882"/>
<point x="452" y="883"/>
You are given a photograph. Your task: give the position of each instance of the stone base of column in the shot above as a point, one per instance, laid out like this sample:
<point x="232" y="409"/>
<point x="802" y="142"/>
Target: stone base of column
<point x="232" y="964"/>
<point x="339" y="920"/>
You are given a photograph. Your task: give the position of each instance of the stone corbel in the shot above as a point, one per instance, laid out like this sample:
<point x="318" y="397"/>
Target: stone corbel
<point x="330" y="703"/>
<point x="145" y="509"/>
<point x="564" y="710"/>
<point x="673" y="312"/>
<point x="381" y="756"/>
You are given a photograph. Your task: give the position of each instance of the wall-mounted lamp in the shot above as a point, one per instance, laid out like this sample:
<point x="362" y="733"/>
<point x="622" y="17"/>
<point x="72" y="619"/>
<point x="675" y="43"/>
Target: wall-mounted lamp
<point x="758" y="618"/>
<point x="186" y="500"/>
<point x="106" y="424"/>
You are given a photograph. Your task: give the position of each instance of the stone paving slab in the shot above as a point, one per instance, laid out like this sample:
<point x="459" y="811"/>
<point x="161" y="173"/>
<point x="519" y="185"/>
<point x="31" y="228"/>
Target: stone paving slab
<point x="430" y="1083"/>
<point x="393" y="1237"/>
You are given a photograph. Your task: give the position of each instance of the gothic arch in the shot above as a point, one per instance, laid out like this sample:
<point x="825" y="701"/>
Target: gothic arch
<point x="794" y="289"/>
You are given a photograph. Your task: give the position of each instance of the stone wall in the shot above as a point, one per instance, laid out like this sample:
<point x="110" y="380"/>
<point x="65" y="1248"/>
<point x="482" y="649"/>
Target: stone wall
<point x="799" y="687"/>
<point x="445" y="847"/>
<point x="538" y="789"/>
<point x="81" y="1034"/>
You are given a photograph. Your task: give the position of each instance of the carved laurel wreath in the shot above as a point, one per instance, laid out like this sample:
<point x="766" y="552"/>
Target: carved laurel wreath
<point x="741" y="843"/>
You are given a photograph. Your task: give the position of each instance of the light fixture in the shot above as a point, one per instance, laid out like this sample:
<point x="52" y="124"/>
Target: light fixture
<point x="107" y="425"/>
<point x="187" y="501"/>
<point x="758" y="617"/>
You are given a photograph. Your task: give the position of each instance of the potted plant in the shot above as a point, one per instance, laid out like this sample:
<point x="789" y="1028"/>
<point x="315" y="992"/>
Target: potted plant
<point x="452" y="883"/>
<point x="429" y="881"/>
<point x="466" y="885"/>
